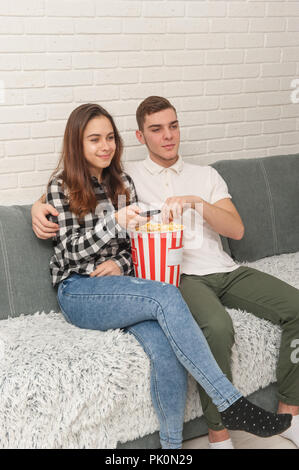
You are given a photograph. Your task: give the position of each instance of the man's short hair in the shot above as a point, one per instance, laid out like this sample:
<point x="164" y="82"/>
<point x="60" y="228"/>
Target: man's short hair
<point x="151" y="105"/>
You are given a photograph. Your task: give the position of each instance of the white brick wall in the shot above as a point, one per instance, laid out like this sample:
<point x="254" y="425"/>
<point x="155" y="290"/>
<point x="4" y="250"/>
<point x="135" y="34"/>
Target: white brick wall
<point x="226" y="65"/>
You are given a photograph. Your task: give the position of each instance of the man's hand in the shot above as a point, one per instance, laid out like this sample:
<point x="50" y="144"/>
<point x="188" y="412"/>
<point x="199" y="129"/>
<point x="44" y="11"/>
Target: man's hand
<point x="173" y="206"/>
<point x="41" y="226"/>
<point x="107" y="268"/>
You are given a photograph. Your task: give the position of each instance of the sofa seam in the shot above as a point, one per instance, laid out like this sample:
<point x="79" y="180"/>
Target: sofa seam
<point x="7" y="272"/>
<point x="271" y="206"/>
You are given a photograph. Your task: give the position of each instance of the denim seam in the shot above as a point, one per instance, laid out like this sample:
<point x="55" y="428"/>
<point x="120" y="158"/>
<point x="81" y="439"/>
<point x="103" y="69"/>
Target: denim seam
<point x="149" y="352"/>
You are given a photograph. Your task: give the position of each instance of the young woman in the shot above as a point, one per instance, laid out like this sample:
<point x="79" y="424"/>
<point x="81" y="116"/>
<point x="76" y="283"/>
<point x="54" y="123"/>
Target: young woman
<point x="92" y="267"/>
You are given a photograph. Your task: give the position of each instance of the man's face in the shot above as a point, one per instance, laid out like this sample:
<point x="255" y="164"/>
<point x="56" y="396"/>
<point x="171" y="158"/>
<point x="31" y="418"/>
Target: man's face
<point x="161" y="135"/>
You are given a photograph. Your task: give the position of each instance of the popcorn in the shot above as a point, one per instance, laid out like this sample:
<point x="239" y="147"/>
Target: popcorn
<point x="156" y="227"/>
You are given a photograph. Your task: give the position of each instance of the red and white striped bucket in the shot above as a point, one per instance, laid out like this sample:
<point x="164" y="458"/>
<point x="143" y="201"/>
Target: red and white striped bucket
<point x="158" y="255"/>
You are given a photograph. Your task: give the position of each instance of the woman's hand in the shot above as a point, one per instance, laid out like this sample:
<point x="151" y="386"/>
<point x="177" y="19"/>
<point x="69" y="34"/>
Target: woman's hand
<point x="41" y="226"/>
<point x="107" y="268"/>
<point x="128" y="217"/>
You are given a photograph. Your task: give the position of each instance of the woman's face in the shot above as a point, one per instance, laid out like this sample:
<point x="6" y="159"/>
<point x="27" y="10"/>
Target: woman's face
<point x="98" y="145"/>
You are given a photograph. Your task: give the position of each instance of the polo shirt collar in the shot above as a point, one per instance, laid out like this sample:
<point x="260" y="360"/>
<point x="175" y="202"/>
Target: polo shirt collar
<point x="155" y="169"/>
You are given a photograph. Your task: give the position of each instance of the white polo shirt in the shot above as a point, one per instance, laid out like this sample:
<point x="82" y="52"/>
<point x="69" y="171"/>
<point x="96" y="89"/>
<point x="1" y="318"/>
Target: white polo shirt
<point x="203" y="253"/>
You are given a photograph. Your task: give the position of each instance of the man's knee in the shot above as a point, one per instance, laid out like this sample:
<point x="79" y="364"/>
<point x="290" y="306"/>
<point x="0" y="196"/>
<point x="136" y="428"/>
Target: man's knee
<point x="219" y="332"/>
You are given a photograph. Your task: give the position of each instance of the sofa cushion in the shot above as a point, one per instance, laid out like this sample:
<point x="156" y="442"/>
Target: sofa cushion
<point x="24" y="266"/>
<point x="266" y="194"/>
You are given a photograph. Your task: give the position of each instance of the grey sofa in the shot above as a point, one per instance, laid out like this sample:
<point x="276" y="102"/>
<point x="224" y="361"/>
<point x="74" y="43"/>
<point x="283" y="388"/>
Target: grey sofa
<point x="266" y="193"/>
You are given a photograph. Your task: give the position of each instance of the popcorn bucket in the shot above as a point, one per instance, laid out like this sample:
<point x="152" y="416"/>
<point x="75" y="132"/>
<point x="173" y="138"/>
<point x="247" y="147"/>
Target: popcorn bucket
<point x="157" y="254"/>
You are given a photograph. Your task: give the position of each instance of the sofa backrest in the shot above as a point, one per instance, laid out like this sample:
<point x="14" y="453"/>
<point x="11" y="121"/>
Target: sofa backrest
<point x="265" y="191"/>
<point x="25" y="282"/>
<point x="266" y="194"/>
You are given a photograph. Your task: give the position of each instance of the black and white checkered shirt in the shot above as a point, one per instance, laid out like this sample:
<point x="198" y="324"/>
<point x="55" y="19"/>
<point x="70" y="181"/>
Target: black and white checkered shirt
<point x="79" y="247"/>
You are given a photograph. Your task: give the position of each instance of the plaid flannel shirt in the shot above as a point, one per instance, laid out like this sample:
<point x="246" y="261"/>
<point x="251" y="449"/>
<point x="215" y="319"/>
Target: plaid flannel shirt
<point x="79" y="247"/>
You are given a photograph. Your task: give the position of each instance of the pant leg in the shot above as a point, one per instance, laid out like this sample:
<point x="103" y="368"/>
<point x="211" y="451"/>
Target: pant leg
<point x="217" y="327"/>
<point x="270" y="298"/>
<point x="121" y="301"/>
<point x="168" y="382"/>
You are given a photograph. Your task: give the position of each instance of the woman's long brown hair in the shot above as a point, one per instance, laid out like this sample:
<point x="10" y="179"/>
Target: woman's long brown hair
<point x="73" y="166"/>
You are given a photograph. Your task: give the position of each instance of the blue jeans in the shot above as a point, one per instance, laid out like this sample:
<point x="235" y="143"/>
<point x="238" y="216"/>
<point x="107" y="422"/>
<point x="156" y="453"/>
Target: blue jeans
<point x="157" y="315"/>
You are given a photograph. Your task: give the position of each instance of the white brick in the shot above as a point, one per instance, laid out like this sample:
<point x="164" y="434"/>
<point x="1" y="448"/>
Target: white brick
<point x="261" y="141"/>
<point x="241" y="41"/>
<point x="47" y="129"/>
<point x="278" y="70"/>
<point x="118" y="8"/>
<point x="223" y="116"/>
<point x="241" y="71"/>
<point x="290" y="54"/>
<point x="205" y="41"/>
<point x="13" y="97"/>
<point x="262" y="84"/>
<point x="34" y="179"/>
<point x="263" y="113"/>
<point x="192" y="118"/>
<point x="225" y="145"/>
<point x="21" y="8"/>
<point x="140" y="59"/>
<point x="21" y="196"/>
<point x="192" y="148"/>
<point x="205" y="132"/>
<point x="10" y="62"/>
<point x="282" y="39"/>
<point x="203" y="72"/>
<point x="98" y="25"/>
<point x="23" y="79"/>
<point x="200" y="103"/>
<point x="59" y="111"/>
<point x="49" y="26"/>
<point x="162" y="9"/>
<point x="47" y="62"/>
<point x="238" y="101"/>
<point x="20" y="44"/>
<point x="123" y="108"/>
<point x="188" y="25"/>
<point x="243" y="129"/>
<point x="267" y="24"/>
<point x="70" y="8"/>
<point x="293" y="24"/>
<point x="289" y="138"/>
<point x="69" y="78"/>
<point x="283" y="9"/>
<point x="219" y="87"/>
<point x="144" y="26"/>
<point x="11" y="26"/>
<point x="15" y="165"/>
<point x="14" y="131"/>
<point x="262" y="55"/>
<point x="224" y="57"/>
<point x="246" y="9"/>
<point x="140" y="91"/>
<point x="48" y="95"/>
<point x="184" y="88"/>
<point x="164" y="41"/>
<point x="207" y="9"/>
<point x="8" y="181"/>
<point x="117" y="43"/>
<point x="161" y="74"/>
<point x="229" y="25"/>
<point x="279" y="126"/>
<point x="116" y="76"/>
<point x="29" y="147"/>
<point x="47" y="162"/>
<point x="185" y="58"/>
<point x="94" y="60"/>
<point x="96" y="93"/>
<point x="70" y="43"/>
<point x="28" y="114"/>
<point x="274" y="98"/>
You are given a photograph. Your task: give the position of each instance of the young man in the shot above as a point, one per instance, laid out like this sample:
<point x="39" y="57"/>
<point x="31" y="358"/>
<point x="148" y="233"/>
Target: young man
<point x="211" y="280"/>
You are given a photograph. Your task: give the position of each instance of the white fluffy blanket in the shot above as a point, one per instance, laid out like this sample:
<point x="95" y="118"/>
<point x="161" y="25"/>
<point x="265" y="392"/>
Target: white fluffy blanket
<point x="64" y="387"/>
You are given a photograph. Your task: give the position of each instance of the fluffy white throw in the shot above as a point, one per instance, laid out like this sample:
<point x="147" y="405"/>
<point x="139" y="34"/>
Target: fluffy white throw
<point x="64" y="387"/>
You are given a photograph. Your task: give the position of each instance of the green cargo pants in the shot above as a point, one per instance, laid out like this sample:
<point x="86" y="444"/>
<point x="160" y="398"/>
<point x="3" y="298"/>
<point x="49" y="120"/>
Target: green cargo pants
<point x="253" y="291"/>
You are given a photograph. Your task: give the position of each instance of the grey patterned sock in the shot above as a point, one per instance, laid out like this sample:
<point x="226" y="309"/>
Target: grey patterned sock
<point x="245" y="416"/>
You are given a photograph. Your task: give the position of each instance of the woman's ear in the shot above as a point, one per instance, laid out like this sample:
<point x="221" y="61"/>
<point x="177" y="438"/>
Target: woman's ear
<point x="140" y="137"/>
